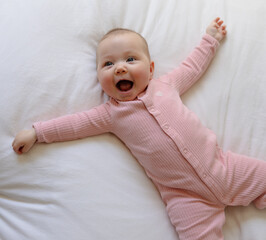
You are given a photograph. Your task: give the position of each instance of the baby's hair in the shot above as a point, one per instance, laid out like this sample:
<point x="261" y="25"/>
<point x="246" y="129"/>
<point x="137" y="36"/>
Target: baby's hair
<point x="117" y="31"/>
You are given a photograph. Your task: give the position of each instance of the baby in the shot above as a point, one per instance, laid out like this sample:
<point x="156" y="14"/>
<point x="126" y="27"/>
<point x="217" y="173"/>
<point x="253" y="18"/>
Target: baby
<point x="195" y="178"/>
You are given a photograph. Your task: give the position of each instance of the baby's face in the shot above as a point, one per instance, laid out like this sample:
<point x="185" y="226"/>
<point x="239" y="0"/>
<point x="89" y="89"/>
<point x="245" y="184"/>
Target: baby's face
<point x="124" y="68"/>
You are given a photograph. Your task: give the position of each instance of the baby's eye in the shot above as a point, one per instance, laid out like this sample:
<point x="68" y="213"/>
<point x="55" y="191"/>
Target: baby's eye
<point x="106" y="64"/>
<point x="131" y="59"/>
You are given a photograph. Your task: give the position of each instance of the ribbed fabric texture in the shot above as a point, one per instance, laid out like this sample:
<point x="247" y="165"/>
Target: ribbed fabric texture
<point x="178" y="153"/>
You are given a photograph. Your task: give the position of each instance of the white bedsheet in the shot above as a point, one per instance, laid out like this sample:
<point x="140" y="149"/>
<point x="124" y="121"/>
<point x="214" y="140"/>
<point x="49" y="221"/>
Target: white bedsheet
<point x="93" y="188"/>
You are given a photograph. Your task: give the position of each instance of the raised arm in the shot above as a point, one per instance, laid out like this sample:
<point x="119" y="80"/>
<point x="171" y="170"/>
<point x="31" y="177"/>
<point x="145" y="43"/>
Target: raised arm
<point x="70" y="127"/>
<point x="190" y="70"/>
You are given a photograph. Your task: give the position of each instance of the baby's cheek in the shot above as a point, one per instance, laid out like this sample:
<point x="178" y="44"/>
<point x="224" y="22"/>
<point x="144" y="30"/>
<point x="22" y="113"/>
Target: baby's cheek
<point x="143" y="74"/>
<point x="108" y="88"/>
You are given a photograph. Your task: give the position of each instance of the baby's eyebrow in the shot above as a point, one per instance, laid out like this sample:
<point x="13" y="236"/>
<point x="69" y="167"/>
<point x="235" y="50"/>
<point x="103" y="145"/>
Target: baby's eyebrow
<point x="106" y="56"/>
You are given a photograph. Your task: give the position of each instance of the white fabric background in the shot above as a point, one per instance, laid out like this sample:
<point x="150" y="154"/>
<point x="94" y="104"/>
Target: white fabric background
<point x="93" y="188"/>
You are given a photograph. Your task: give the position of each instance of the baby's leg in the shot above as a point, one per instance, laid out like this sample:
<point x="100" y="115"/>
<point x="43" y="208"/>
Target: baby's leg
<point x="195" y="218"/>
<point x="246" y="180"/>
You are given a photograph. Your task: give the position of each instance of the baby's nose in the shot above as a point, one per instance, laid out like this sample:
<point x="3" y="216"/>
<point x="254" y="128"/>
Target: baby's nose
<point x="120" y="70"/>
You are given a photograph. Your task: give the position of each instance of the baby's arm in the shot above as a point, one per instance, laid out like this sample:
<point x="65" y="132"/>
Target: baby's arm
<point x="24" y="141"/>
<point x="190" y="70"/>
<point x="66" y="128"/>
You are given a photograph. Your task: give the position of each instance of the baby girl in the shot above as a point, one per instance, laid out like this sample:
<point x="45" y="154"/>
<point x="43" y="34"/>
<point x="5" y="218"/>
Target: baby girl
<point x="195" y="178"/>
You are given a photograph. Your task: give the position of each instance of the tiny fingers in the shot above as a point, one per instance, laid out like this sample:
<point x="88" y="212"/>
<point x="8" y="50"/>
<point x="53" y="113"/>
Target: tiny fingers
<point x="20" y="150"/>
<point x="217" y="19"/>
<point x="24" y="149"/>
<point x="18" y="147"/>
<point x="217" y="29"/>
<point x="224" y="30"/>
<point x="219" y="24"/>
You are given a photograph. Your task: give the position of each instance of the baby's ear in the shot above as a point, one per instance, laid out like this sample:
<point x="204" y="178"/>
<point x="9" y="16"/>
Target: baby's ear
<point x="151" y="69"/>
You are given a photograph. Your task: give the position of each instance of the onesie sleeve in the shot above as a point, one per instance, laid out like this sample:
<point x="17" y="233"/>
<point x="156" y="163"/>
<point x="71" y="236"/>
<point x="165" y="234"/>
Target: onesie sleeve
<point x="190" y="70"/>
<point x="75" y="126"/>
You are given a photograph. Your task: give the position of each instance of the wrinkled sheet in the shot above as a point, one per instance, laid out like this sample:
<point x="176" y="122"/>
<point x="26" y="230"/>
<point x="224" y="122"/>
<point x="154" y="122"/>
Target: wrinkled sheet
<point x="93" y="188"/>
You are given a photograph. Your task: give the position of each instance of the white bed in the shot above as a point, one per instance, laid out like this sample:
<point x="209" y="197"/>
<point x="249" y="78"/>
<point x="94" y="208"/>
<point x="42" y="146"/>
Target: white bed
<point x="93" y="188"/>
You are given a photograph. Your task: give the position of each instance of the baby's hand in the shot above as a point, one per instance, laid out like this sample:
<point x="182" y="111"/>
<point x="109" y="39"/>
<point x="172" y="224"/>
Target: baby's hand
<point x="216" y="29"/>
<point x="24" y="141"/>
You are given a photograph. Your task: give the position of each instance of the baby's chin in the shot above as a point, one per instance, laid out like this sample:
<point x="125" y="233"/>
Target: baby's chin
<point x="125" y="96"/>
<point x="126" y="99"/>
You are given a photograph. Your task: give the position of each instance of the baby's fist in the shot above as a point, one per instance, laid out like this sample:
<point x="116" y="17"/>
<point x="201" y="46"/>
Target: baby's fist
<point x="24" y="141"/>
<point x="216" y="29"/>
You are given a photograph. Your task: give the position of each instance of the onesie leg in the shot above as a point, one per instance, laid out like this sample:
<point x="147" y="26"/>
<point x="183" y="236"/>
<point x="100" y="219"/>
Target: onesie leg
<point x="246" y="181"/>
<point x="195" y="218"/>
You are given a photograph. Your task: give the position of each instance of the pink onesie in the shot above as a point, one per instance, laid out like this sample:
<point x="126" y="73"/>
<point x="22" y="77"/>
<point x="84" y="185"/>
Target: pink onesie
<point x="194" y="177"/>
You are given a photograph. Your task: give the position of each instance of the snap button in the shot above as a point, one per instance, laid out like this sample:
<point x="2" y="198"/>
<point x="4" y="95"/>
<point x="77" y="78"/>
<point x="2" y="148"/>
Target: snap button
<point x="204" y="175"/>
<point x="159" y="94"/>
<point x="185" y="151"/>
<point x="166" y="126"/>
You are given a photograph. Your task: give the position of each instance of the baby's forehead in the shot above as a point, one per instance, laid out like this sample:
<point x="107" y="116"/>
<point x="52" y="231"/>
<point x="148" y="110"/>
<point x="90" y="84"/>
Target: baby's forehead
<point x="121" y="31"/>
<point x="123" y="35"/>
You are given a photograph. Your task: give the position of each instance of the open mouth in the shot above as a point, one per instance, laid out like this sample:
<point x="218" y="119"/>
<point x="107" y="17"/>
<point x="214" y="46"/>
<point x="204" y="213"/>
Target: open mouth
<point x="124" y="85"/>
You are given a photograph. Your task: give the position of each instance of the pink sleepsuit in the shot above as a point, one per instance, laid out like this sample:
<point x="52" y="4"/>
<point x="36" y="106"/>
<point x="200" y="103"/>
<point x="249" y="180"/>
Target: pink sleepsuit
<point x="194" y="177"/>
